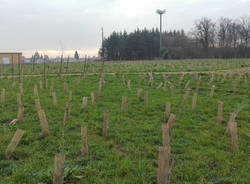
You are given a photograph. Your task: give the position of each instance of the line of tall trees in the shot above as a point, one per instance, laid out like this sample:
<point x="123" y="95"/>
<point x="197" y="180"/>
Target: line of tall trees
<point x="227" y="38"/>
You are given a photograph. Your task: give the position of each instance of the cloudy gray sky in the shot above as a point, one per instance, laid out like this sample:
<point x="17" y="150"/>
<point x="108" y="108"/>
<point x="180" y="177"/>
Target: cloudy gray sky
<point x="30" y="25"/>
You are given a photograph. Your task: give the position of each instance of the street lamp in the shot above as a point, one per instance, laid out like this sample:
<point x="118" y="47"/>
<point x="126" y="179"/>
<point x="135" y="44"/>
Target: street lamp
<point x="160" y="12"/>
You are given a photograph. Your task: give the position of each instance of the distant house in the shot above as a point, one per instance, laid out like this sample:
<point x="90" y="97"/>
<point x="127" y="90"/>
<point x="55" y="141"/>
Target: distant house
<point x="10" y="57"/>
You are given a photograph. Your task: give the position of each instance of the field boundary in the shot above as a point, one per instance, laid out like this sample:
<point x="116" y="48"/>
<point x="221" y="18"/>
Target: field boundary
<point x="235" y="70"/>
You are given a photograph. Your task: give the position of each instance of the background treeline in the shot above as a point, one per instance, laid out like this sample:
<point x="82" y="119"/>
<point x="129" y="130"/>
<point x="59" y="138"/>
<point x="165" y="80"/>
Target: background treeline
<point x="226" y="38"/>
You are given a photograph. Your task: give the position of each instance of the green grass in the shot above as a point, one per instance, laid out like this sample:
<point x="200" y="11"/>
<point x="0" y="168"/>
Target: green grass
<point x="200" y="153"/>
<point x="131" y="66"/>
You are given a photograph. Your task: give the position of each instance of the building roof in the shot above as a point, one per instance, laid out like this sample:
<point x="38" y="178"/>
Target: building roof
<point x="10" y="52"/>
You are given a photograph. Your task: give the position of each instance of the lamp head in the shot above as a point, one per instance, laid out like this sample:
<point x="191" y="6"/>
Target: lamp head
<point x="160" y="12"/>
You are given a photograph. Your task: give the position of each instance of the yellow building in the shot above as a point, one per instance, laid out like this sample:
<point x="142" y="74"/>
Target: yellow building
<point x="11" y="57"/>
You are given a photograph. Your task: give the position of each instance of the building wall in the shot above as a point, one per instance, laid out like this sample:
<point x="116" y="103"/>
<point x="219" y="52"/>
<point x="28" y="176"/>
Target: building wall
<point x="9" y="58"/>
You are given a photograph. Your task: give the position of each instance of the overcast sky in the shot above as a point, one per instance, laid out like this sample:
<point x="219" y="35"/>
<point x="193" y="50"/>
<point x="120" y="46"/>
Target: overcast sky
<point x="30" y="25"/>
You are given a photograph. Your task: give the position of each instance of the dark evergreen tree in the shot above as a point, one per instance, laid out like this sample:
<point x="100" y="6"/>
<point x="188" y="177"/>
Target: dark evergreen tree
<point x="76" y="56"/>
<point x="231" y="40"/>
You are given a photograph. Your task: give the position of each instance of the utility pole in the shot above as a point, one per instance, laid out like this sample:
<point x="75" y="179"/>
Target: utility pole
<point x="84" y="67"/>
<point x="44" y="72"/>
<point x="12" y="60"/>
<point x="61" y="60"/>
<point x="102" y="56"/>
<point x="160" y="12"/>
<point x="33" y="64"/>
<point x="102" y="45"/>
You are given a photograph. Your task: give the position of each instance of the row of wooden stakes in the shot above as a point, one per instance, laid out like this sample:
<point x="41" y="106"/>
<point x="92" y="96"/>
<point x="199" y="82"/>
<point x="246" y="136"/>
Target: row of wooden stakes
<point x="164" y="151"/>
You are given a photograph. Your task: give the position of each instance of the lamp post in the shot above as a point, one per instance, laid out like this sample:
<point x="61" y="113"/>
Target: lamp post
<point x="160" y="12"/>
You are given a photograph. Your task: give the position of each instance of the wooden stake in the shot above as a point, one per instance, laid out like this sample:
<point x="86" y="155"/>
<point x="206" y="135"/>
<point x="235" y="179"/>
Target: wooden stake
<point x="171" y="88"/>
<point x="198" y="85"/>
<point x="58" y="177"/>
<point x="151" y="79"/>
<point x="167" y="112"/>
<point x="99" y="88"/>
<point x="41" y="84"/>
<point x="3" y="96"/>
<point x="36" y="91"/>
<point x="70" y="96"/>
<point x="196" y="76"/>
<point x="181" y="78"/>
<point x="84" y="104"/>
<point x="245" y="79"/>
<point x="212" y="91"/>
<point x="211" y="79"/>
<point x="19" y="116"/>
<point x="54" y="99"/>
<point x="13" y="85"/>
<point x="84" y="150"/>
<point x="38" y="105"/>
<point x="186" y="95"/>
<point x="234" y="135"/>
<point x="43" y="122"/>
<point x="165" y="134"/>
<point x="123" y="106"/>
<point x="224" y="77"/>
<point x="160" y="85"/>
<point x="194" y="100"/>
<point x="65" y="87"/>
<point x="163" y="165"/>
<point x="236" y="81"/>
<point x="19" y="101"/>
<point x="105" y="123"/>
<point x="220" y="111"/>
<point x="139" y="90"/>
<point x="231" y="120"/>
<point x="171" y="121"/>
<point x="92" y="99"/>
<point x="20" y="113"/>
<point x="123" y="80"/>
<point x="129" y="87"/>
<point x="13" y="144"/>
<point x="67" y="113"/>
<point x="165" y="86"/>
<point x="187" y="84"/>
<point x="165" y="77"/>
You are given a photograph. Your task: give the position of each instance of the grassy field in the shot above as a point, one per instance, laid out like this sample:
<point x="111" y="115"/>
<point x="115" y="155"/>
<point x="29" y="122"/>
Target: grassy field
<point x="200" y="152"/>
<point x="129" y="66"/>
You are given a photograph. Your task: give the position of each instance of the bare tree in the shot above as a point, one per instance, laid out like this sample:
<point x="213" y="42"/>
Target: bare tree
<point x="233" y="38"/>
<point x="205" y="32"/>
<point x="244" y="23"/>
<point x="224" y="32"/>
